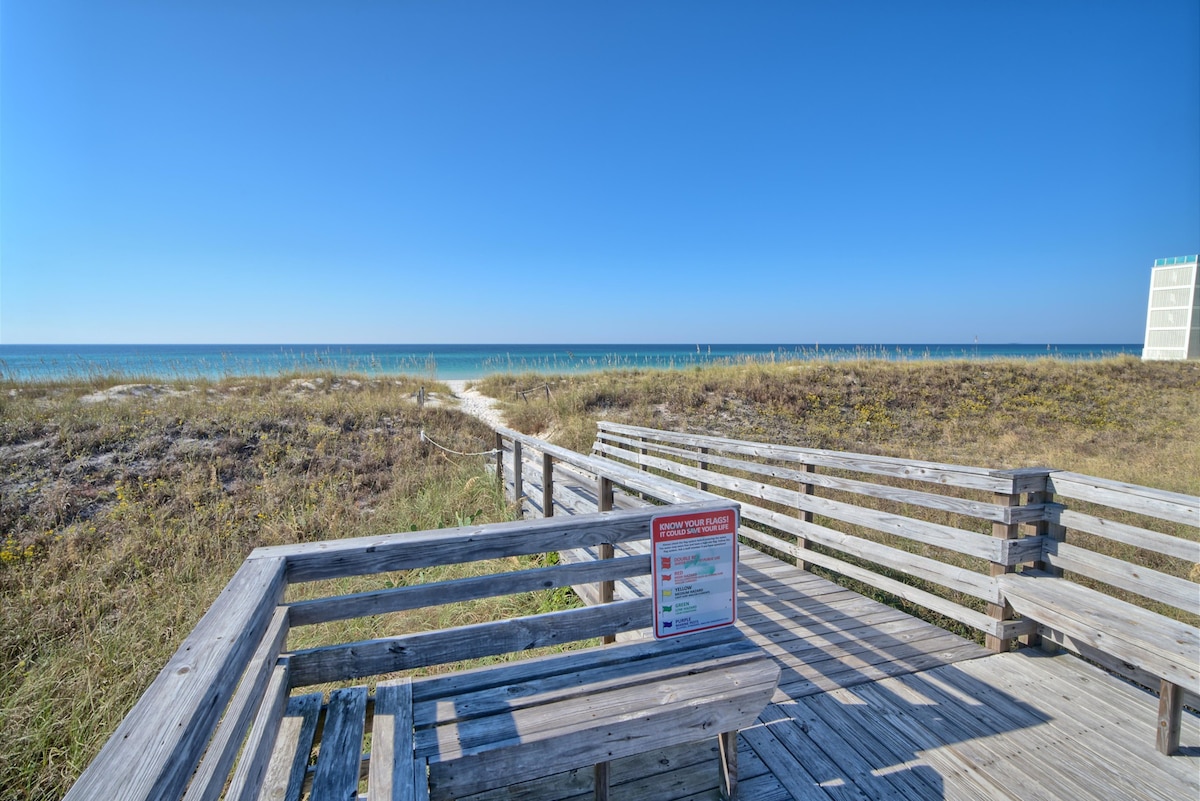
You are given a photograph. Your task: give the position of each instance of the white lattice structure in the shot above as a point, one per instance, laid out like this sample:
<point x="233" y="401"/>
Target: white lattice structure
<point x="1173" y="315"/>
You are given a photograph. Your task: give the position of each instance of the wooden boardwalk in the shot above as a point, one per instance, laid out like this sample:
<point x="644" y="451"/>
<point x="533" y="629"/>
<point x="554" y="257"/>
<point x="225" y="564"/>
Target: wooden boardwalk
<point x="876" y="704"/>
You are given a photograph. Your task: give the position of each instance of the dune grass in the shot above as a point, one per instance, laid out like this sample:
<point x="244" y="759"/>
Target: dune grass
<point x="123" y="518"/>
<point x="1119" y="418"/>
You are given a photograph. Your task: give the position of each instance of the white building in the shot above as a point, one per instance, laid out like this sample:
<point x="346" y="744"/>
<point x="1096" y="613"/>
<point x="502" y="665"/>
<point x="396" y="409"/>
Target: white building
<point x="1173" y="317"/>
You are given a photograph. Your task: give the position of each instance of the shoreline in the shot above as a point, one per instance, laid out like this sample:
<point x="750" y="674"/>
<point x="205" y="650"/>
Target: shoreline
<point x="141" y="363"/>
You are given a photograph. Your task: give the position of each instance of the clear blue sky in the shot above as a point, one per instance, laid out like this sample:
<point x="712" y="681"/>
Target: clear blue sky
<point x="623" y="171"/>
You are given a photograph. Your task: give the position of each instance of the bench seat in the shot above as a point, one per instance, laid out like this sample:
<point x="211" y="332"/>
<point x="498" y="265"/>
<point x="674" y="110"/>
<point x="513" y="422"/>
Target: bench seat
<point x="502" y="725"/>
<point x="1166" y="648"/>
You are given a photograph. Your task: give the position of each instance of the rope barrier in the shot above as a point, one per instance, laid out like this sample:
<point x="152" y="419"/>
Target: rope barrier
<point x="425" y="438"/>
<point x="523" y="392"/>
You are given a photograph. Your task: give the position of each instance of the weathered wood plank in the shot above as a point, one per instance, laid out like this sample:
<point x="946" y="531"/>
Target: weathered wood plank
<point x="1024" y="734"/>
<point x="970" y="719"/>
<point x="1173" y="506"/>
<point x="646" y="686"/>
<point x="392" y="775"/>
<point x="955" y="475"/>
<point x="213" y="773"/>
<point x="477" y="680"/>
<point x="284" y="779"/>
<point x="966" y="581"/>
<point x="256" y="755"/>
<point x="662" y="775"/>
<point x="1171" y="590"/>
<point x="1166" y="648"/>
<point x="155" y="750"/>
<point x="609" y="726"/>
<point x="886" y="753"/>
<point x="1113" y="664"/>
<point x="798" y="747"/>
<point x="567" y="685"/>
<point x="783" y="765"/>
<point x="936" y="603"/>
<point x="937" y="534"/>
<point x="1127" y="534"/>
<point x="366" y="555"/>
<point x="340" y="754"/>
<point x="344" y="607"/>
<point x="928" y="500"/>
<point x="617" y="473"/>
<point x="1103" y="718"/>
<point x="410" y="651"/>
<point x="846" y="763"/>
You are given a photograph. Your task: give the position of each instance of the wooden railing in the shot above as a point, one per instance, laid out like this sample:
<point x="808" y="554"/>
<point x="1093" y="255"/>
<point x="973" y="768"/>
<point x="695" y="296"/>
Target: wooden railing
<point x="513" y="469"/>
<point x="937" y="535"/>
<point x="211" y="716"/>
<point x="931" y="534"/>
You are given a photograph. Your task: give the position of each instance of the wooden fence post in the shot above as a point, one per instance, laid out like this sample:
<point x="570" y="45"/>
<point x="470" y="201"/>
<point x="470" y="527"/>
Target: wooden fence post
<point x="702" y="465"/>
<point x="1007" y="531"/>
<point x="604" y="494"/>
<point x="500" y="463"/>
<point x="518" y="484"/>
<point x="1052" y="530"/>
<point x="806" y="516"/>
<point x="547" y="485"/>
<point x="604" y="491"/>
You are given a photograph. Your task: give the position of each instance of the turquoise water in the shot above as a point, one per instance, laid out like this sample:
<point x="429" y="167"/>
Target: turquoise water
<point x="42" y="362"/>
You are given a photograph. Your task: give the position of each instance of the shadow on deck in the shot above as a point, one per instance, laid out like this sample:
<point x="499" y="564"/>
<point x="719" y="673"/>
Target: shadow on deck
<point x="874" y="703"/>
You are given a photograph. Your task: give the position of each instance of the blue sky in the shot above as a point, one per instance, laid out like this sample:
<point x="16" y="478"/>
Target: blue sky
<point x="374" y="172"/>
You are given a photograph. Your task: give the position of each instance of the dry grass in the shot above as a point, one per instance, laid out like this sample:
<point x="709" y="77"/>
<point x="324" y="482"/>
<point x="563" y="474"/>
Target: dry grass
<point x="123" y="519"/>
<point x="1118" y="418"/>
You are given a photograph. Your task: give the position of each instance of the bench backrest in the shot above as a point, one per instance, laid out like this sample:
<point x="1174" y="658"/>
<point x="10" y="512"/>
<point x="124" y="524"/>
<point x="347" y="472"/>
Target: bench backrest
<point x="1137" y="543"/>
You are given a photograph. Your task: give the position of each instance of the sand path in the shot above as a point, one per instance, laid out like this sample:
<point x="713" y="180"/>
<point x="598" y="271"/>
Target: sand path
<point x="475" y="403"/>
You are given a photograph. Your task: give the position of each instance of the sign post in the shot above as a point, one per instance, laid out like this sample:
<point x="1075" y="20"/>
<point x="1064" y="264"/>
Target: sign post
<point x="695" y="571"/>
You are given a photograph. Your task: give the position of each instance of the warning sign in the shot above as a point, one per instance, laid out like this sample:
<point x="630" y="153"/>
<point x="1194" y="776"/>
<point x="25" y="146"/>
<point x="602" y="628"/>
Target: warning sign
<point x="695" y="571"/>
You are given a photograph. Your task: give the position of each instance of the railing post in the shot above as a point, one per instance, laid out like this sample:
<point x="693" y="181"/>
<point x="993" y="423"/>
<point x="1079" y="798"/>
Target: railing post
<point x="604" y="493"/>
<point x="500" y="463"/>
<point x="702" y="465"/>
<point x="642" y="452"/>
<point x="547" y="485"/>
<point x="518" y="484"/>
<point x="806" y="515"/>
<point x="1048" y="527"/>
<point x="1007" y="531"/>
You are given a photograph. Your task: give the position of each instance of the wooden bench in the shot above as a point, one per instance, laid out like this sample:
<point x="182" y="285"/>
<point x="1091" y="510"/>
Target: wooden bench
<point x="452" y="735"/>
<point x="1166" y="648"/>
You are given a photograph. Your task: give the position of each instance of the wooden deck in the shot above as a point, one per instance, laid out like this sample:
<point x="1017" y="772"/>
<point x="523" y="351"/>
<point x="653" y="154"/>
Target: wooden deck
<point x="876" y="704"/>
<point x="866" y="701"/>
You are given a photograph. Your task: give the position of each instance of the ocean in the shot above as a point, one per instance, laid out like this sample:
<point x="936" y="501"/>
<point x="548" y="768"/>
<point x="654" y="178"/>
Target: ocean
<point x="135" y="362"/>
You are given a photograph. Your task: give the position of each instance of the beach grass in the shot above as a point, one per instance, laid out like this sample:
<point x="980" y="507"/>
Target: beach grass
<point x="124" y="512"/>
<point x="1120" y="418"/>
